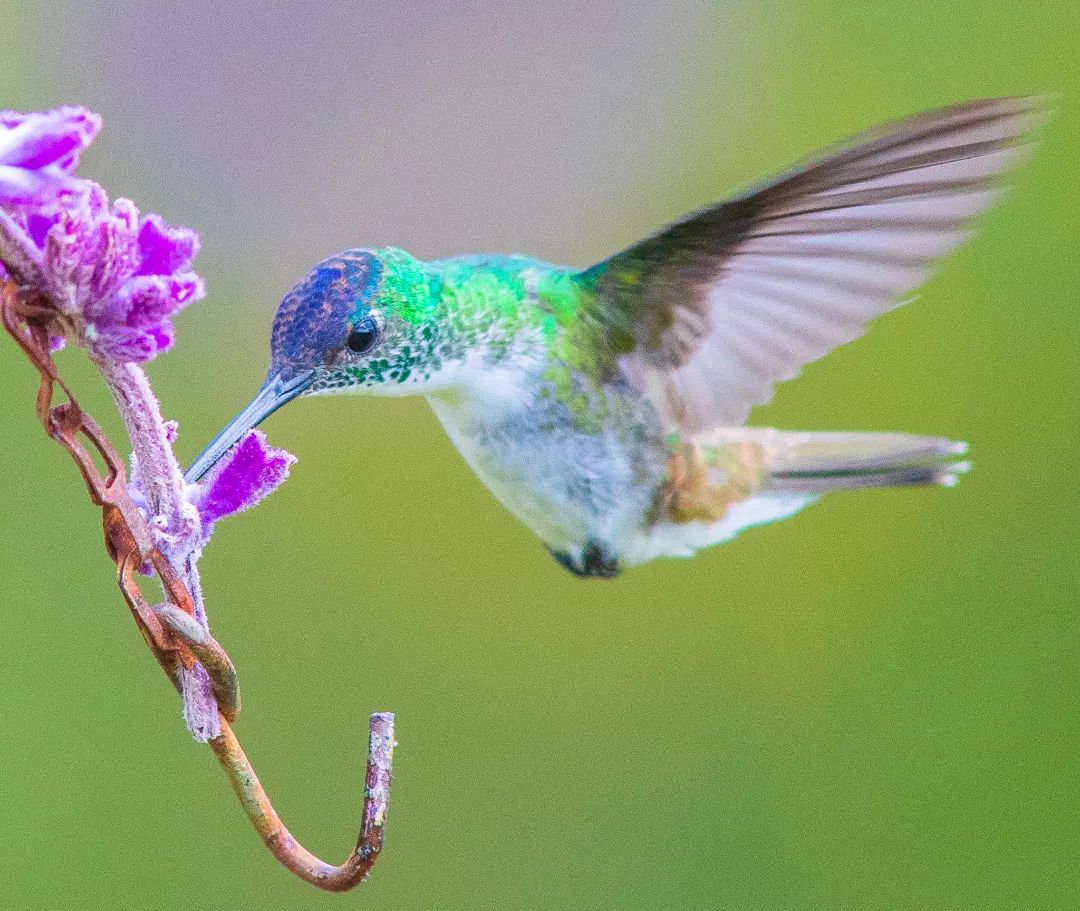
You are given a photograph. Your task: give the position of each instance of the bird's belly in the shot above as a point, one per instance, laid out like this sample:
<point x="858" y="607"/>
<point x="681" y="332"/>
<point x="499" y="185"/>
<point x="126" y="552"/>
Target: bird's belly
<point x="569" y="487"/>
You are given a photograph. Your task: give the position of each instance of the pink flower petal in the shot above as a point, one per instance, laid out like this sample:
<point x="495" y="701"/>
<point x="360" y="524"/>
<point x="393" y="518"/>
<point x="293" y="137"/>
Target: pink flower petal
<point x="20" y="187"/>
<point x="250" y="471"/>
<point x="164" y="249"/>
<point x="37" y="140"/>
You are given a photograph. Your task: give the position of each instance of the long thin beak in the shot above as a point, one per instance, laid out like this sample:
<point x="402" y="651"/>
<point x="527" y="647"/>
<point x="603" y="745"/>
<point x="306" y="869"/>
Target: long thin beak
<point x="274" y="393"/>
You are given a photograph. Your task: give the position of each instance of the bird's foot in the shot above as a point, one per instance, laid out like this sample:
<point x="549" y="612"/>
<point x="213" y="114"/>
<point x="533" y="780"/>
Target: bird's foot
<point x="593" y="561"/>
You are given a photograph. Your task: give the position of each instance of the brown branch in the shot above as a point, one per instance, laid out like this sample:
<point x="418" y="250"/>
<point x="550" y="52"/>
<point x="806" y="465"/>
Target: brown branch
<point x="209" y="653"/>
<point x="294" y="856"/>
<point x="175" y="632"/>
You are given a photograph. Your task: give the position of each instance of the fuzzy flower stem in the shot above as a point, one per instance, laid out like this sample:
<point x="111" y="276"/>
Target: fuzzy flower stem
<point x="161" y="477"/>
<point x="163" y="485"/>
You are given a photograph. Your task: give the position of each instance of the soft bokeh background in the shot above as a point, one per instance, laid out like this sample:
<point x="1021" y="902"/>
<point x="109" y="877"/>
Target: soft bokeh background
<point x="871" y="706"/>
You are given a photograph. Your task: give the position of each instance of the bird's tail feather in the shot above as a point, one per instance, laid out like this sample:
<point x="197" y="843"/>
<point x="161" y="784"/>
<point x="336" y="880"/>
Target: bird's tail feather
<point x="818" y="463"/>
<point x="734" y="478"/>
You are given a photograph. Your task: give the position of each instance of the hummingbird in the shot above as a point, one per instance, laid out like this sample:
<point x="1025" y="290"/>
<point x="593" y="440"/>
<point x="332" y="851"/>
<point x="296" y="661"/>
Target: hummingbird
<point x="606" y="407"/>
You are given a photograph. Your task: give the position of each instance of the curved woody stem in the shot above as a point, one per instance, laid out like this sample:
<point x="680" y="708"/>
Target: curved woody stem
<point x="177" y="633"/>
<point x="294" y="856"/>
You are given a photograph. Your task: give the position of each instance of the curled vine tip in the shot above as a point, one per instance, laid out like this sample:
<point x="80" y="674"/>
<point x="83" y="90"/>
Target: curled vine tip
<point x="292" y="855"/>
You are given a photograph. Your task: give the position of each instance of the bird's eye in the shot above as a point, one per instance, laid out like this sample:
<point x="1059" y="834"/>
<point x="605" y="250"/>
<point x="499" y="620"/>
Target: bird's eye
<point x="363" y="336"/>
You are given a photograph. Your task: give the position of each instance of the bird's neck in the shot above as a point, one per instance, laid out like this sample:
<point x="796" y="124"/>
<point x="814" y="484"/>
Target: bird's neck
<point x="488" y="336"/>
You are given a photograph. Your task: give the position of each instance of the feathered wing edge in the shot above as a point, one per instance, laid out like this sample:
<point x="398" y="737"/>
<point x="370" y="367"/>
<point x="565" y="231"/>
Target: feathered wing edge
<point x="706" y="316"/>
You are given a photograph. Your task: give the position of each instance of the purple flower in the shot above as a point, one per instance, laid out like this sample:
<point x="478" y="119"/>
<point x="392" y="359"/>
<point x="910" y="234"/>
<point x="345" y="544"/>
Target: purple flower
<point x="120" y="277"/>
<point x="250" y="471"/>
<point x="242" y="478"/>
<point x="111" y="280"/>
<point x="117" y="278"/>
<point x="38" y="152"/>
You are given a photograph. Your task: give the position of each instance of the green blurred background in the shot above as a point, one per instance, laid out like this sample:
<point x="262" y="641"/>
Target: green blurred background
<point x="873" y="705"/>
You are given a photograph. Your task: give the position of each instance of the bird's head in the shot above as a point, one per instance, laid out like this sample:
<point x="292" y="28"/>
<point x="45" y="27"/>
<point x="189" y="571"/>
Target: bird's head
<point x="356" y="322"/>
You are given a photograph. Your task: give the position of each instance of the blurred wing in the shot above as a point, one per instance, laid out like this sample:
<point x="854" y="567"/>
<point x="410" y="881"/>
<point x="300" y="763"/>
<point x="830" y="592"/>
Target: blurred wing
<point x="707" y="315"/>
